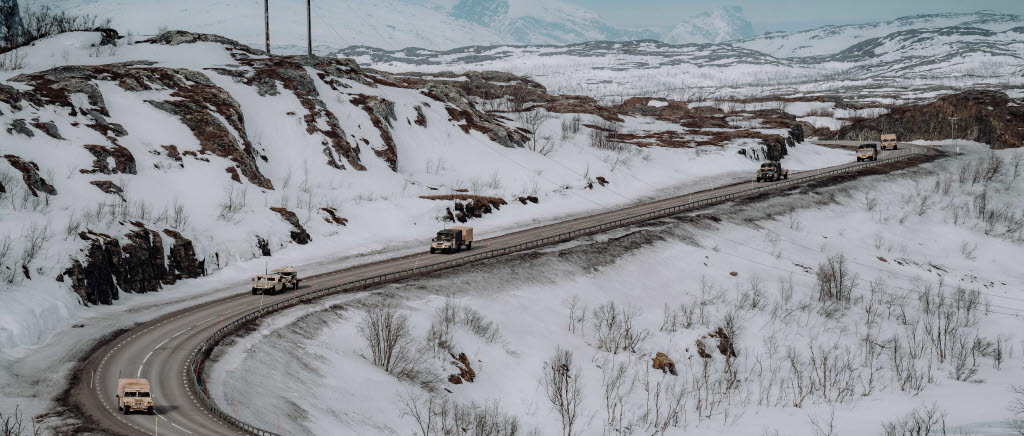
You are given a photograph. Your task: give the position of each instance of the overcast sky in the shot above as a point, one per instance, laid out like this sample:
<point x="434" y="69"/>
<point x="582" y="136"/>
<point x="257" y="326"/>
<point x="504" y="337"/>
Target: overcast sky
<point x="786" y="14"/>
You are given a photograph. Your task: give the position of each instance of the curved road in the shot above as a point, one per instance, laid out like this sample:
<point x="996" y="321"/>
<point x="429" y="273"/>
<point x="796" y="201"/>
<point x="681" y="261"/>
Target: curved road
<point x="159" y="350"/>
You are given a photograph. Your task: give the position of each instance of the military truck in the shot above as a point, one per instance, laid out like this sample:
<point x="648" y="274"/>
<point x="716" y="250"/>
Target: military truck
<point x="267" y="284"/>
<point x="867" y="152"/>
<point x="771" y="172"/>
<point x="134" y="395"/>
<point x="288" y="277"/>
<point x="889" y="142"/>
<point x="453" y="239"/>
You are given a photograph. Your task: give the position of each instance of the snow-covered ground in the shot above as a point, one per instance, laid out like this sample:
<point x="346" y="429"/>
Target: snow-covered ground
<point x="43" y="325"/>
<point x="749" y="268"/>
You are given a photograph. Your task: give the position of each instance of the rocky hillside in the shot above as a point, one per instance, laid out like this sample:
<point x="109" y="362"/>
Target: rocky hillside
<point x="131" y="167"/>
<point x="987" y="117"/>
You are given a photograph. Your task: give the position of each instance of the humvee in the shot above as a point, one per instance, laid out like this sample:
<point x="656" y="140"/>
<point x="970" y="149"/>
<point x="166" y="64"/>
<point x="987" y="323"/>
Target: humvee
<point x="867" y="152"/>
<point x="134" y="395"/>
<point x="889" y="142"/>
<point x="267" y="284"/>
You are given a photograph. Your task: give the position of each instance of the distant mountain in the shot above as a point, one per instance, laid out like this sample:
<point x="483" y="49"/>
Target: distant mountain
<point x="542" y="21"/>
<point x="833" y="39"/>
<point x="722" y="24"/>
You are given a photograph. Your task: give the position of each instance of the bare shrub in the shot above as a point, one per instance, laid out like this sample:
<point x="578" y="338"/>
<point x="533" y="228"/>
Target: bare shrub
<point x="563" y="386"/>
<point x="234" y="201"/>
<point x="439" y="415"/>
<point x="1016" y="407"/>
<point x="12" y="60"/>
<point x="614" y="328"/>
<point x="387" y="334"/>
<point x="533" y="121"/>
<point x="571" y="127"/>
<point x="824" y="426"/>
<point x="922" y="421"/>
<point x="601" y="138"/>
<point x="835" y="280"/>
<point x="178" y="218"/>
<point x="34" y="237"/>
<point x="43" y="21"/>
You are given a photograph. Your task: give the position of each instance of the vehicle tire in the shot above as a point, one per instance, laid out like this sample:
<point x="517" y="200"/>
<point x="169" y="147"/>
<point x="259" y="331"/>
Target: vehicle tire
<point x="254" y="291"/>
<point x="431" y="250"/>
<point x="119" y="408"/>
<point x="127" y="410"/>
<point x="786" y="177"/>
<point x="151" y="411"/>
<point x="469" y="246"/>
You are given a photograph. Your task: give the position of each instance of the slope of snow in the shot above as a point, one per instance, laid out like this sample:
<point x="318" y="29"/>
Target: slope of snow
<point x="833" y="39"/>
<point x="753" y="254"/>
<point x="722" y="24"/>
<point x="43" y="323"/>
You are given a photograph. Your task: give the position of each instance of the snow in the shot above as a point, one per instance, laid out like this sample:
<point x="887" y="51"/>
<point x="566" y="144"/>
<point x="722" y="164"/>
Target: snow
<point x="338" y="390"/>
<point x="43" y="324"/>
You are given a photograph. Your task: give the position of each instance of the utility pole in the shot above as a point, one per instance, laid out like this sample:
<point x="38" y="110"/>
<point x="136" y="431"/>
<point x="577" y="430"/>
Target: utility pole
<point x="952" y="135"/>
<point x="266" y="22"/>
<point x="309" y="29"/>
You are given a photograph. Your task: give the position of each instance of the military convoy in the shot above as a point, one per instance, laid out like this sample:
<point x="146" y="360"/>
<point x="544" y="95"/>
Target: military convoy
<point x="772" y="172"/>
<point x="134" y="395"/>
<point x="867" y="152"/>
<point x="275" y="283"/>
<point x="452" y="240"/>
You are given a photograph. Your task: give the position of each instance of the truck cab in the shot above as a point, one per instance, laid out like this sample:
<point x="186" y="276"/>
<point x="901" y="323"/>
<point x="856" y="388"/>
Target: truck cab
<point x="134" y="395"/>
<point x="453" y="239"/>
<point x="771" y="172"/>
<point x="867" y="152"/>
<point x="889" y="142"/>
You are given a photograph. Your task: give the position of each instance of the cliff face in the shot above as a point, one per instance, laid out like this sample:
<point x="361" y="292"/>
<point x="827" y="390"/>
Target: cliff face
<point x="989" y="117"/>
<point x="137" y="267"/>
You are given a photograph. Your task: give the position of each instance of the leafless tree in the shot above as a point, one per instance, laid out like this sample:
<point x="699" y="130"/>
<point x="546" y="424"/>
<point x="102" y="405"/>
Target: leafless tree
<point x="563" y="386"/>
<point x="234" y="201"/>
<point x="387" y="334"/>
<point x="922" y="421"/>
<point x="835" y="280"/>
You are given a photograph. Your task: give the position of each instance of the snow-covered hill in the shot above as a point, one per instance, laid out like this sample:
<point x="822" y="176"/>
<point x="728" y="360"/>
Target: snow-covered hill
<point x="133" y="168"/>
<point x="833" y="39"/>
<point x="902" y="62"/>
<point x="722" y="24"/>
<point x="542" y="21"/>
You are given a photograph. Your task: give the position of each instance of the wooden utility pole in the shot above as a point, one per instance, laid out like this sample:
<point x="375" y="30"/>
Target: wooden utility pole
<point x="266" y="22"/>
<point x="309" y="29"/>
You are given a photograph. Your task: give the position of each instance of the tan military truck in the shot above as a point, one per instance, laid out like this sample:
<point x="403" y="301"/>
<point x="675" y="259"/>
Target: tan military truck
<point x="889" y="142"/>
<point x="267" y="284"/>
<point x="867" y="152"/>
<point x="453" y="239"/>
<point x="288" y="277"/>
<point x="134" y="395"/>
<point x="771" y="172"/>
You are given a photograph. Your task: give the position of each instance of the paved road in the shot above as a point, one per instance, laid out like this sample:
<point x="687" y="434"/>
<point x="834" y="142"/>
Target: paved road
<point x="159" y="350"/>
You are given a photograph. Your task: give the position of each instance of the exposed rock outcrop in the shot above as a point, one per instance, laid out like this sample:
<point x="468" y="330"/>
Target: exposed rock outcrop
<point x="124" y="161"/>
<point x="460" y="110"/>
<point x="49" y="128"/>
<point x="138" y="266"/>
<point x="181" y="261"/>
<point x="30" y="174"/>
<point x="989" y="117"/>
<point x="194" y="99"/>
<point x="20" y="127"/>
<point x="109" y="187"/>
<point x="382" y="113"/>
<point x="298" y="233"/>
